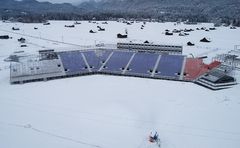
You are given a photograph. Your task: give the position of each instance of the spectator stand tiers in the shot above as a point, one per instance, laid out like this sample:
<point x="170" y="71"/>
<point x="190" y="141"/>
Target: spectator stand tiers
<point x="74" y="63"/>
<point x="142" y="64"/>
<point x="117" y="63"/>
<point x="194" y="68"/>
<point x="53" y="65"/>
<point x="170" y="67"/>
<point x="35" y="69"/>
<point x="96" y="58"/>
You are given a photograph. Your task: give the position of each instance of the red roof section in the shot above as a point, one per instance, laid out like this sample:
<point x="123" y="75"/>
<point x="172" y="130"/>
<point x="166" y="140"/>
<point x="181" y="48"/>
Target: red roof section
<point x="213" y="65"/>
<point x="194" y="68"/>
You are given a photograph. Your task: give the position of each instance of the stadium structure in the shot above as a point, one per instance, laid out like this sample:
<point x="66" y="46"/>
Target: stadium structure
<point x="48" y="65"/>
<point x="163" y="48"/>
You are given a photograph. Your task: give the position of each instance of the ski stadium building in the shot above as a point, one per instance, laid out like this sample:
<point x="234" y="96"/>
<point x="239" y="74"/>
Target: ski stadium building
<point x="169" y="49"/>
<point x="50" y="65"/>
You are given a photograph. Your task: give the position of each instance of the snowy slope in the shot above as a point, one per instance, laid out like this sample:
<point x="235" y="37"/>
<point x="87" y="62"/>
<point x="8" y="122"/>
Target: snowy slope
<point x="111" y="111"/>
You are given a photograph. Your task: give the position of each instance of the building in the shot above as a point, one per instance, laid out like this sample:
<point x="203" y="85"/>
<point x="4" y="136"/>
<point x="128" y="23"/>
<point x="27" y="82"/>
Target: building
<point x="48" y="65"/>
<point x="162" y="48"/>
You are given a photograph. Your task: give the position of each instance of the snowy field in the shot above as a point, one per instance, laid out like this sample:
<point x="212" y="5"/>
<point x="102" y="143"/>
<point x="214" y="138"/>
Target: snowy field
<point x="111" y="111"/>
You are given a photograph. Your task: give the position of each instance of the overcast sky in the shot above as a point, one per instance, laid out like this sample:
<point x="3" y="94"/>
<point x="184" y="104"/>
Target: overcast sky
<point x="61" y="1"/>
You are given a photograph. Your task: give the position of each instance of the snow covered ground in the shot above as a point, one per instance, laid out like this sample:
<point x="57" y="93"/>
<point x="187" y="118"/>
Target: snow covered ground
<point x="111" y="111"/>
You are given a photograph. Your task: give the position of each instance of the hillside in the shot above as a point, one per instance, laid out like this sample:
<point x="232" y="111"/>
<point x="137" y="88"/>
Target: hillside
<point x="208" y="8"/>
<point x="34" y="6"/>
<point x="167" y="10"/>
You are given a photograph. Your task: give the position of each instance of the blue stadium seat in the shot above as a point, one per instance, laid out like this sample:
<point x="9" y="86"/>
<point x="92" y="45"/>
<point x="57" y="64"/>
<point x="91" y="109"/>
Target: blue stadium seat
<point x="117" y="62"/>
<point x="73" y="62"/>
<point x="95" y="59"/>
<point x="142" y="64"/>
<point x="170" y="66"/>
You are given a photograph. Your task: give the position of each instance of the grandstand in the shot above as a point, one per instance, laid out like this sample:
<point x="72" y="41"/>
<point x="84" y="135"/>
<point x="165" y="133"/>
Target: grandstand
<point x="194" y="68"/>
<point x="117" y="63"/>
<point x="35" y="70"/>
<point x="170" y="66"/>
<point x="96" y="58"/>
<point x="169" y="49"/>
<point x="53" y="65"/>
<point x="74" y="63"/>
<point x="142" y="65"/>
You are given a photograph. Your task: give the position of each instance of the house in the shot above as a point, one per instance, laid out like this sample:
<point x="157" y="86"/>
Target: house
<point x="101" y="29"/>
<point x="22" y="40"/>
<point x="4" y="37"/>
<point x="190" y="44"/>
<point x="13" y="28"/>
<point x="69" y="26"/>
<point x="77" y="23"/>
<point x="47" y="23"/>
<point x="205" y="40"/>
<point x="168" y="33"/>
<point x="121" y="36"/>
<point x="91" y="31"/>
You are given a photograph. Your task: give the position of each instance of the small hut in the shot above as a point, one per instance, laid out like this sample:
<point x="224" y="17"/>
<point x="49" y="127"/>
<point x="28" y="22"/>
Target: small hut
<point x="4" y="37"/>
<point x="47" y="23"/>
<point x="69" y="26"/>
<point x="188" y="30"/>
<point x="23" y="45"/>
<point x="190" y="44"/>
<point x="104" y="22"/>
<point x="91" y="31"/>
<point x="101" y="29"/>
<point x="176" y="31"/>
<point x="22" y="40"/>
<point x="13" y="28"/>
<point x="128" y="23"/>
<point x="77" y="23"/>
<point x="212" y="28"/>
<point x="168" y="33"/>
<point x="121" y="36"/>
<point x="233" y="27"/>
<point x="146" y="42"/>
<point x="181" y="34"/>
<point x="205" y="40"/>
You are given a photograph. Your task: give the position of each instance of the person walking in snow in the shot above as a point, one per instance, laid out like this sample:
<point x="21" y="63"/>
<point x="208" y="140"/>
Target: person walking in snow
<point x="153" y="137"/>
